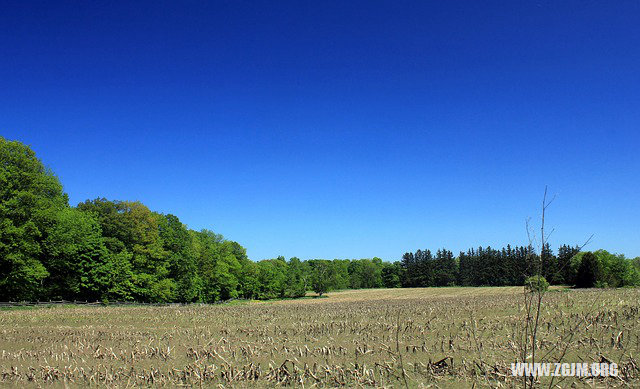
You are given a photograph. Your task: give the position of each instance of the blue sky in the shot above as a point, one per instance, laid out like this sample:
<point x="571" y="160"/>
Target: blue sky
<point x="338" y="129"/>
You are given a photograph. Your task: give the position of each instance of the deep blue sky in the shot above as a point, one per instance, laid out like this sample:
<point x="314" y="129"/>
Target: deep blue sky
<point x="338" y="129"/>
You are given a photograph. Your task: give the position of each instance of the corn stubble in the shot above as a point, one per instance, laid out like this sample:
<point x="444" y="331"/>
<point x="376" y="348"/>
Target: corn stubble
<point x="434" y="337"/>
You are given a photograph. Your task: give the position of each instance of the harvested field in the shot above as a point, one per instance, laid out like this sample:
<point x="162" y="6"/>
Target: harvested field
<point x="442" y="337"/>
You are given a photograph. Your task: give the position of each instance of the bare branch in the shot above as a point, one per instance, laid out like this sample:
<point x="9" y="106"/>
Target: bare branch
<point x="551" y="201"/>
<point x="549" y="235"/>
<point x="586" y="242"/>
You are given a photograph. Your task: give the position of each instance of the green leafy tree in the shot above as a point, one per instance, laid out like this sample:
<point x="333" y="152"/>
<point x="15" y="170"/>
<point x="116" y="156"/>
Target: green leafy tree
<point x="297" y="278"/>
<point x="130" y="228"/>
<point x="30" y="199"/>
<point x="355" y="274"/>
<point x="117" y="227"/>
<point x="272" y="278"/>
<point x="227" y="271"/>
<point x="248" y="281"/>
<point x="617" y="271"/>
<point x="117" y="276"/>
<point x="371" y="275"/>
<point x="339" y="277"/>
<point x="206" y="246"/>
<point x="391" y="275"/>
<point x="176" y="240"/>
<point x="75" y="256"/>
<point x="320" y="279"/>
<point x="537" y="284"/>
<point x="248" y="272"/>
<point x="589" y="272"/>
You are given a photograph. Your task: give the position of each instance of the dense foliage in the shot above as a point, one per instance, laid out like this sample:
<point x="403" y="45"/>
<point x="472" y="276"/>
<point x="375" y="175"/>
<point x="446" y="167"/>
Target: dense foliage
<point x="121" y="250"/>
<point x="512" y="266"/>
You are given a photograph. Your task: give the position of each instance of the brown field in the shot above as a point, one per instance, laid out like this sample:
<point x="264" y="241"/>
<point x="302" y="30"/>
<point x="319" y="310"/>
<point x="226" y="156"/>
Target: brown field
<point x="440" y="337"/>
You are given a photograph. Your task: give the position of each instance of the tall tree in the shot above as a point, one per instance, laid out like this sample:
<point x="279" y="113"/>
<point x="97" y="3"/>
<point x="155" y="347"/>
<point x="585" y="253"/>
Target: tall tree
<point x="392" y="275"/>
<point x="206" y="250"/>
<point x="320" y="279"/>
<point x="248" y="281"/>
<point x="177" y="241"/>
<point x="76" y="257"/>
<point x="272" y="278"/>
<point x="589" y="271"/>
<point x="444" y="268"/>
<point x="131" y="229"/>
<point x="565" y="270"/>
<point x="297" y="278"/>
<point x="30" y="199"/>
<point x="550" y="267"/>
<point x="409" y="267"/>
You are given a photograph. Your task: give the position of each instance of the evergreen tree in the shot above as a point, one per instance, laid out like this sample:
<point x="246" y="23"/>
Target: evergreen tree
<point x="565" y="270"/>
<point x="409" y="267"/>
<point x="444" y="268"/>
<point x="550" y="268"/>
<point x="465" y="272"/>
<point x="424" y="268"/>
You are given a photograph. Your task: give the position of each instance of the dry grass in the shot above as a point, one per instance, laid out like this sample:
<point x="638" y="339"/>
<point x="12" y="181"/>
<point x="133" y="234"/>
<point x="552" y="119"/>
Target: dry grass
<point x="406" y="294"/>
<point x="447" y="337"/>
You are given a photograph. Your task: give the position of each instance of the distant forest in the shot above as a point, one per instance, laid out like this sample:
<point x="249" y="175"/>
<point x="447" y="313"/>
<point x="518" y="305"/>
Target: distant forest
<point x="121" y="250"/>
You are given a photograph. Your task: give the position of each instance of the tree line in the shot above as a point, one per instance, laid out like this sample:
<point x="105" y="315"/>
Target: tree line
<point x="121" y="250"/>
<point x="512" y="265"/>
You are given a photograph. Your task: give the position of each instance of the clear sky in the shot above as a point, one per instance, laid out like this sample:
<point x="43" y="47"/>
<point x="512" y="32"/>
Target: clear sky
<point x="338" y="129"/>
